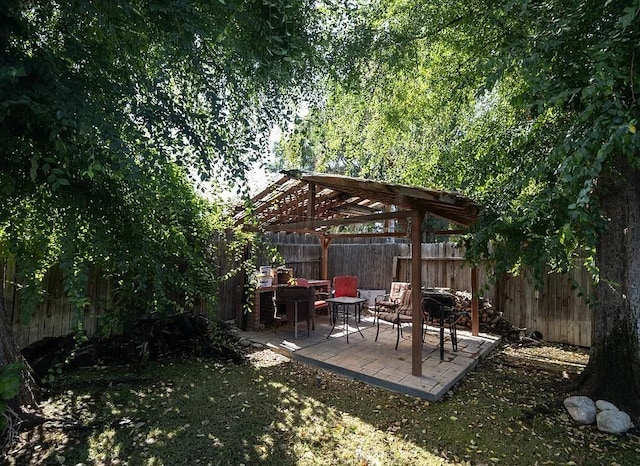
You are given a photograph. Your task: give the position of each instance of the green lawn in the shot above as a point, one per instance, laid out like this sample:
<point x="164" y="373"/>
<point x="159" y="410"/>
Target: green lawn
<point x="275" y="411"/>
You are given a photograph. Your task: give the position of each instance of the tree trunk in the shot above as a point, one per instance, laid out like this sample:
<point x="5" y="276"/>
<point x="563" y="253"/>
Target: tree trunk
<point x="613" y="372"/>
<point x="9" y="353"/>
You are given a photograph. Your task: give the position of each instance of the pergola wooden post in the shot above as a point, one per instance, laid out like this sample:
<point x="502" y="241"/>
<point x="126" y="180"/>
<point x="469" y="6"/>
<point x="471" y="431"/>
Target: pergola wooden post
<point x="475" y="314"/>
<point x="325" y="241"/>
<point x="416" y="292"/>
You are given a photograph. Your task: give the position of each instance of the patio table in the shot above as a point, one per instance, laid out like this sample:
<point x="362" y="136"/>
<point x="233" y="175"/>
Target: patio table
<point x="340" y="307"/>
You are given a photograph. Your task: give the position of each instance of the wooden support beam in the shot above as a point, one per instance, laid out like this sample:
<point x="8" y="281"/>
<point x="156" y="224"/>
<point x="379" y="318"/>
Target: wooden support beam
<point x="311" y="202"/>
<point x="337" y="221"/>
<point x="449" y="232"/>
<point x="325" y="241"/>
<point x="416" y="292"/>
<point x="381" y="234"/>
<point x="475" y="314"/>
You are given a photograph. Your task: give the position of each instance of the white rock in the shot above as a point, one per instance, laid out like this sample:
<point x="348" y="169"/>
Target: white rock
<point x="606" y="406"/>
<point x="613" y="421"/>
<point x="582" y="409"/>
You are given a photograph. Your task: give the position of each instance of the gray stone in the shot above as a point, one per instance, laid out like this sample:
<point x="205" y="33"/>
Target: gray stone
<point x="582" y="409"/>
<point x="613" y="421"/>
<point x="603" y="405"/>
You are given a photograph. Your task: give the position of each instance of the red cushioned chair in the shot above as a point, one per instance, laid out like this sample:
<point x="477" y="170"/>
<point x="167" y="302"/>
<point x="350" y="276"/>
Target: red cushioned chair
<point x="346" y="285"/>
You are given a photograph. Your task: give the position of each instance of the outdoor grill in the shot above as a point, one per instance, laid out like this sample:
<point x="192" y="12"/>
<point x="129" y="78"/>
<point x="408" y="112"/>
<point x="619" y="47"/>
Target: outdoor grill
<point x="441" y="307"/>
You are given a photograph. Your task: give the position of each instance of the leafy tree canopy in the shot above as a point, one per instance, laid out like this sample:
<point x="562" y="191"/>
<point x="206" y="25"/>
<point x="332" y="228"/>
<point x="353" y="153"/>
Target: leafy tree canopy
<point x="517" y="104"/>
<point x="106" y="111"/>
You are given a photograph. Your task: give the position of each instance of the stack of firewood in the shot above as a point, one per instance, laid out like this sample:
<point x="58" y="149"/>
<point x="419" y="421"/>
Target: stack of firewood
<point x="491" y="321"/>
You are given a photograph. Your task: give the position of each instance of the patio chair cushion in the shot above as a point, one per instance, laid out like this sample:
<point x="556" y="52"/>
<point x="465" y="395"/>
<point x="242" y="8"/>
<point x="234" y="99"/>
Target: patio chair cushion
<point x="392" y="299"/>
<point x="401" y="308"/>
<point x="320" y="304"/>
<point x="387" y="304"/>
<point x="345" y="285"/>
<point x="405" y="306"/>
<point x="397" y="290"/>
<point x="398" y="316"/>
<point x="394" y="317"/>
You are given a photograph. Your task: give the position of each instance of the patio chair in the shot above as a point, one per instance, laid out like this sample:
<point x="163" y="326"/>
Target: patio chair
<point x="440" y="308"/>
<point x="346" y="285"/>
<point x="397" y="314"/>
<point x="320" y="298"/>
<point x="390" y="301"/>
<point x="297" y="303"/>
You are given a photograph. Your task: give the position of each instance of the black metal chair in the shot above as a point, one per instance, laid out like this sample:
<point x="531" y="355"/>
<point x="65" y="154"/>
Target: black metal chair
<point x="297" y="302"/>
<point x="440" y="308"/>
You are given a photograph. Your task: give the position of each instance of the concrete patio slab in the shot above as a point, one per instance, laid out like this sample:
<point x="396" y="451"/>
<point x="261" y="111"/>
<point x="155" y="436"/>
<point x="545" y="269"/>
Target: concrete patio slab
<point x="377" y="362"/>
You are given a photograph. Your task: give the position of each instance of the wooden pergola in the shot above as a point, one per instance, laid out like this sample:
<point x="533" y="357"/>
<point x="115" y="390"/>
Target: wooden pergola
<point x="305" y="202"/>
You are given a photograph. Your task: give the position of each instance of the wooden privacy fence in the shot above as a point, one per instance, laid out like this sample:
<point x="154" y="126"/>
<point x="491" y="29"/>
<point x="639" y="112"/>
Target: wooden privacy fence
<point x="557" y="311"/>
<point x="55" y="315"/>
<point x="378" y="264"/>
<point x="443" y="266"/>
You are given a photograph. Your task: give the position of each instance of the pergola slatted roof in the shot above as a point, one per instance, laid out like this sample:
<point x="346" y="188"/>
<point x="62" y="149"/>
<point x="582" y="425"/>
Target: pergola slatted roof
<point x="313" y="203"/>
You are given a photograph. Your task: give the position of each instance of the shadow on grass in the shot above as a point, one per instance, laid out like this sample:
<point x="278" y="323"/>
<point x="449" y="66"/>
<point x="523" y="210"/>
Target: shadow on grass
<point x="275" y="411"/>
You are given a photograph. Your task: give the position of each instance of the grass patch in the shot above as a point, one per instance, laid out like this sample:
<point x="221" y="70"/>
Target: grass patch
<point x="275" y="411"/>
